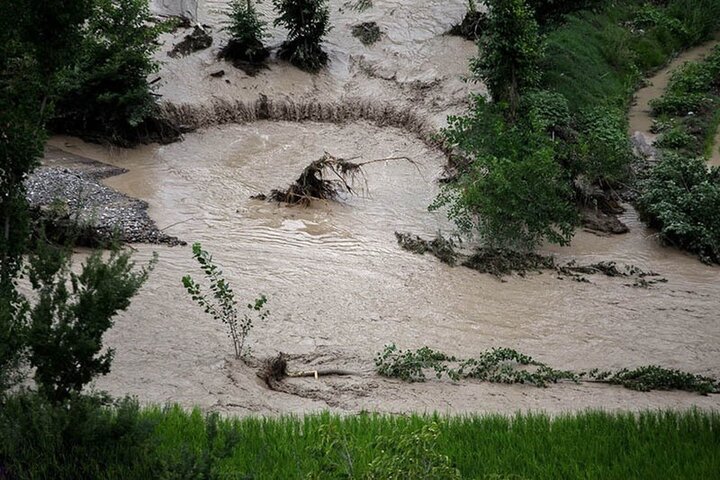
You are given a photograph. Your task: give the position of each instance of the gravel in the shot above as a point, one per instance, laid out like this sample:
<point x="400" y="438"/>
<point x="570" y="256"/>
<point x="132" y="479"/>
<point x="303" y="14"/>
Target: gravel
<point x="76" y="191"/>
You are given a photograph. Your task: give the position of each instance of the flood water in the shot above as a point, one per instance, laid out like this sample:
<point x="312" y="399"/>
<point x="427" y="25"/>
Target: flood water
<point x="339" y="287"/>
<point x="338" y="282"/>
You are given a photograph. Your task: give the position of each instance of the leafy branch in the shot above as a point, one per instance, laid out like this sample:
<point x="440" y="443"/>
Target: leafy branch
<point x="221" y="305"/>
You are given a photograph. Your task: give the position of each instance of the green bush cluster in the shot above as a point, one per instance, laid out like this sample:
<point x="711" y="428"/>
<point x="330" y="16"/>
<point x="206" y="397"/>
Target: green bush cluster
<point x="539" y="146"/>
<point x="105" y="94"/>
<point x="680" y="198"/>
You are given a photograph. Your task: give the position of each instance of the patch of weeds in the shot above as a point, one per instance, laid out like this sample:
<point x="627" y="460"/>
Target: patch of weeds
<point x="368" y="32"/>
<point x="498" y="365"/>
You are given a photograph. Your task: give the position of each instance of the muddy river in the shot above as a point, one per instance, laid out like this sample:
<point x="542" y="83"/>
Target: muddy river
<point x="340" y="288"/>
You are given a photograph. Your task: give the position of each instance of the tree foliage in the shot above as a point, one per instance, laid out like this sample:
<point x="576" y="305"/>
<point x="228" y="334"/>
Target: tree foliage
<point x="307" y="24"/>
<point x="514" y="194"/>
<point x="510" y="52"/>
<point x="106" y="96"/>
<point x="35" y="44"/>
<point x="71" y="313"/>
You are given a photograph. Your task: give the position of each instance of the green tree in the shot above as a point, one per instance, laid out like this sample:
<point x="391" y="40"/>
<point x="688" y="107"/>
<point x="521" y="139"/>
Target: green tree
<point x="307" y="23"/>
<point x="36" y="40"/>
<point x="514" y="194"/>
<point x="71" y="313"/>
<point x="246" y="31"/>
<point x="510" y="52"/>
<point x="106" y="95"/>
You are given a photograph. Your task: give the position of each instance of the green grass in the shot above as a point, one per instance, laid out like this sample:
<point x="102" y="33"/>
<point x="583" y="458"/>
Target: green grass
<point x="128" y="442"/>
<point x="597" y="57"/>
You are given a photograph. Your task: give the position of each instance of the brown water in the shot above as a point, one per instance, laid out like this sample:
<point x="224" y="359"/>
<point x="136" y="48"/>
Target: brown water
<point x="339" y="286"/>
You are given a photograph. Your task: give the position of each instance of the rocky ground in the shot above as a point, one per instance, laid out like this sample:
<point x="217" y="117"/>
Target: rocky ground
<point x="68" y="189"/>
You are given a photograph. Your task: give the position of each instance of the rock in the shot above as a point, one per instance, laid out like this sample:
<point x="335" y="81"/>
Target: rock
<point x="73" y="200"/>
<point x="598" y="221"/>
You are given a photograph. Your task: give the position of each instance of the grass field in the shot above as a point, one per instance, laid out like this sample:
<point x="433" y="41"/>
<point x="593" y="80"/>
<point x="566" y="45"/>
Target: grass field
<point x="131" y="442"/>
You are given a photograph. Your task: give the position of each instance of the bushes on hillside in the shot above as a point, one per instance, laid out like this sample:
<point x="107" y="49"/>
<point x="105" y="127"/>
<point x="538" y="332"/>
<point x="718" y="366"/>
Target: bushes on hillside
<point x="681" y="199"/>
<point x="570" y="103"/>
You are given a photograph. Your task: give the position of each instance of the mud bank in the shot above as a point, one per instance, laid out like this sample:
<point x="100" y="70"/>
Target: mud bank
<point x="346" y="110"/>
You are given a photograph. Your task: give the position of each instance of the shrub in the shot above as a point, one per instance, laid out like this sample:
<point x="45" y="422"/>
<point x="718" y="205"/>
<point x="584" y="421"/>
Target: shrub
<point x="72" y="312"/>
<point x="246" y="33"/>
<point x="680" y="198"/>
<point x="603" y="149"/>
<point x="546" y="111"/>
<point x="85" y="438"/>
<point x="222" y="306"/>
<point x="307" y="22"/>
<point x="514" y="194"/>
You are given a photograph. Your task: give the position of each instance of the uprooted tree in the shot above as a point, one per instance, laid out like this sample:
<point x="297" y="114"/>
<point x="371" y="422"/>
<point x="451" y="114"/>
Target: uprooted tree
<point x="325" y="179"/>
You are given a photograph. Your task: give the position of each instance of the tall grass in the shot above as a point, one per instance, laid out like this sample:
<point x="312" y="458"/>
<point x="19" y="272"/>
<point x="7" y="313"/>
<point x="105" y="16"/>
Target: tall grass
<point x="597" y="57"/>
<point x="174" y="443"/>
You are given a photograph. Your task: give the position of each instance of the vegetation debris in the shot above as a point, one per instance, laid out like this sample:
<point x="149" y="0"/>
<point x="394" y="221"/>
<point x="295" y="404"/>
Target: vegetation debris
<point x="368" y="32"/>
<point x="443" y="248"/>
<point x="274" y="369"/>
<point x="198" y="39"/>
<point x="312" y="183"/>
<point x="504" y="261"/>
<point x="472" y="26"/>
<point x="505" y="365"/>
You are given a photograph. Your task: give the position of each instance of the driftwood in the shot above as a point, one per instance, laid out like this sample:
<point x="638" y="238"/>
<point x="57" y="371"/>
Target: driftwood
<point x="275" y="369"/>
